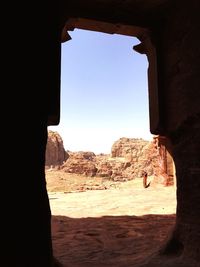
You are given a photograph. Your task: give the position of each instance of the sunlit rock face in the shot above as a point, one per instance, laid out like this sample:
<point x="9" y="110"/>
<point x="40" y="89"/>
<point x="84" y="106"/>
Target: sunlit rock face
<point x="55" y="152"/>
<point x="129" y="158"/>
<point x="81" y="163"/>
<point x="140" y="154"/>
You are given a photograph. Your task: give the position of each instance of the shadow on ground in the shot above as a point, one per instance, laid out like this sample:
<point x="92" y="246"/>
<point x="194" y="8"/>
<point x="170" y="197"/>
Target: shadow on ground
<point x="114" y="241"/>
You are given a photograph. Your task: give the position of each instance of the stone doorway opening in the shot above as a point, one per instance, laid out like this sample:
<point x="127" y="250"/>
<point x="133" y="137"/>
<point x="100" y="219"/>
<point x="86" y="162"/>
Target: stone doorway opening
<point x="104" y="82"/>
<point x="100" y="226"/>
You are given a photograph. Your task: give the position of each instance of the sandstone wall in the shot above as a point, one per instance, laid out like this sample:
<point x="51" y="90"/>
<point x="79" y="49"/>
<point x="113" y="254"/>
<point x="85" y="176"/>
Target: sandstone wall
<point x="55" y="152"/>
<point x="179" y="72"/>
<point x="180" y="65"/>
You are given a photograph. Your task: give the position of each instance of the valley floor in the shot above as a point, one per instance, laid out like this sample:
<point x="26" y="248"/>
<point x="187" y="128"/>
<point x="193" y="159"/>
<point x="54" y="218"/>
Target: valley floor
<point x="121" y="225"/>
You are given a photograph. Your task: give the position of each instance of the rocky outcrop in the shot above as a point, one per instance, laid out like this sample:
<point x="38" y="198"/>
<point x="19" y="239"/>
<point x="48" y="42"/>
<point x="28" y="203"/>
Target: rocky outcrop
<point x="112" y="167"/>
<point x="129" y="158"/>
<point x="55" y="152"/>
<point x="81" y="163"/>
<point x="151" y="157"/>
<point x="140" y="154"/>
<point x="129" y="148"/>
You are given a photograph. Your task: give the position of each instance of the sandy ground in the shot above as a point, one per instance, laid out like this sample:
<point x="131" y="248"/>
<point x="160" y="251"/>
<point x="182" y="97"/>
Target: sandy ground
<point x="120" y="226"/>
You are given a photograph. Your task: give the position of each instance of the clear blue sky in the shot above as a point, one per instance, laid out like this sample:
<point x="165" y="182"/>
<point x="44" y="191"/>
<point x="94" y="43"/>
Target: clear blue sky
<point x="104" y="93"/>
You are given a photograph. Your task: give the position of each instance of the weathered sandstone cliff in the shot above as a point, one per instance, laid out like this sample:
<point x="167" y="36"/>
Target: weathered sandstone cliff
<point x="55" y="152"/>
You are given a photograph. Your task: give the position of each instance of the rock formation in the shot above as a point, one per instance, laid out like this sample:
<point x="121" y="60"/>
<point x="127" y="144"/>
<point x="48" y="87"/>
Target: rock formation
<point x="81" y="163"/>
<point x="129" y="158"/>
<point x="55" y="152"/>
<point x="140" y="154"/>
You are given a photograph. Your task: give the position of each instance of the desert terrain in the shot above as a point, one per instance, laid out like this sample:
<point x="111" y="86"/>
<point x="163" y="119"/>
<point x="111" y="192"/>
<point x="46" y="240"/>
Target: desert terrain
<point x="97" y="222"/>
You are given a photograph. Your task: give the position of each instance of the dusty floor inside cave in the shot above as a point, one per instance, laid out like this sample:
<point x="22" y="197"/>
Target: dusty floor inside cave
<point x="120" y="226"/>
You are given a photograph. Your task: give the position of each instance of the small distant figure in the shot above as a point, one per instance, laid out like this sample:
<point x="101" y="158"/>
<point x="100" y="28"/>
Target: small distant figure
<point x="145" y="185"/>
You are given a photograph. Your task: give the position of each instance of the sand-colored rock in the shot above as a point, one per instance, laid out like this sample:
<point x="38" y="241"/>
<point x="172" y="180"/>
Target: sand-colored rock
<point x="129" y="158"/>
<point x="55" y="151"/>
